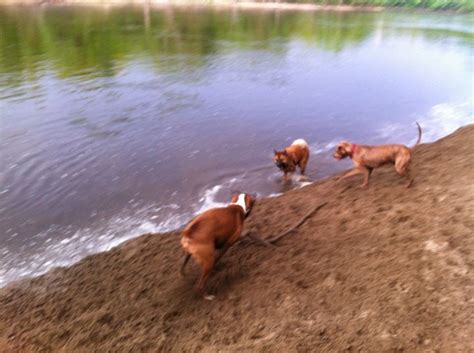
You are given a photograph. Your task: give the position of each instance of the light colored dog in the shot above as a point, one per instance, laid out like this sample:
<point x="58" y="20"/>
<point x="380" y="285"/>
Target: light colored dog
<point x="214" y="229"/>
<point x="366" y="158"/>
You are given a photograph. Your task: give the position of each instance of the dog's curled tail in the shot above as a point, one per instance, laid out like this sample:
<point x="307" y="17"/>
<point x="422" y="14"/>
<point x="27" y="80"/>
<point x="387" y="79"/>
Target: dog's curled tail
<point x="419" y="134"/>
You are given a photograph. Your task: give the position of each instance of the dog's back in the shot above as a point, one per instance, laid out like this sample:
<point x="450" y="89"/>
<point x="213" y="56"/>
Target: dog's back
<point x="299" y="150"/>
<point x="210" y="226"/>
<point x="375" y="156"/>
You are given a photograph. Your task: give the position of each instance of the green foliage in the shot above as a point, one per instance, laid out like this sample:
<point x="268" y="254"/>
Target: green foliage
<point x="462" y="5"/>
<point x="77" y="40"/>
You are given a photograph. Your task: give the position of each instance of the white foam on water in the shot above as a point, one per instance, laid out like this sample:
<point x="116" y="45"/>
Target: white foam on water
<point x="210" y="196"/>
<point x="318" y="148"/>
<point x="445" y="118"/>
<point x="441" y="120"/>
<point x="87" y="241"/>
<point x="276" y="194"/>
<point x="208" y="200"/>
<point x="302" y="184"/>
<point x="69" y="250"/>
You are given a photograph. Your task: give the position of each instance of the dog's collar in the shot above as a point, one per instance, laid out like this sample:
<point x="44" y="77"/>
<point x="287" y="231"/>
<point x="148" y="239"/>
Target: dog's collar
<point x="353" y="149"/>
<point x="241" y="202"/>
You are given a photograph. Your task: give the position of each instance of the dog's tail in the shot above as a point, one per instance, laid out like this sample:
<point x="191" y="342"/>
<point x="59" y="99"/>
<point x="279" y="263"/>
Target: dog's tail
<point x="419" y="134"/>
<point x="300" y="142"/>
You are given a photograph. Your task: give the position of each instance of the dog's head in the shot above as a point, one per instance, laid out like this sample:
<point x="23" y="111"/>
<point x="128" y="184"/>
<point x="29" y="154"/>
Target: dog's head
<point x="246" y="201"/>
<point x="282" y="160"/>
<point x="343" y="150"/>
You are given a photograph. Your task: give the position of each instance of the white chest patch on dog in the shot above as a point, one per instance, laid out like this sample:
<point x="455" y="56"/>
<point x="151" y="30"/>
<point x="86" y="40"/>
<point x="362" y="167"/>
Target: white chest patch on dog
<point x="241" y="202"/>
<point x="300" y="142"/>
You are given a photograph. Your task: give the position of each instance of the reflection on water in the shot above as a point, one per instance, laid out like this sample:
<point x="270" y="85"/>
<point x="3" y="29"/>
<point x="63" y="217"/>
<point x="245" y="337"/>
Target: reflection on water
<point x="95" y="42"/>
<point x="120" y="121"/>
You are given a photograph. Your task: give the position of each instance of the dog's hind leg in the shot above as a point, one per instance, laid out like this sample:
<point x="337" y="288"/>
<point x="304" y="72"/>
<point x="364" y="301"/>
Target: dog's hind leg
<point x="186" y="259"/>
<point x="231" y="241"/>
<point x="303" y="163"/>
<point x="206" y="272"/>
<point x="222" y="252"/>
<point x="205" y="257"/>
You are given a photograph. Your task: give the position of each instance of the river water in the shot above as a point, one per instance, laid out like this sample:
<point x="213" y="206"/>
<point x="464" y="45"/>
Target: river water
<point x="120" y="121"/>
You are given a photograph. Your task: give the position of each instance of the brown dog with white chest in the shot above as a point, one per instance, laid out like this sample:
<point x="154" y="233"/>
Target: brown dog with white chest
<point x="366" y="158"/>
<point x="214" y="229"/>
<point x="297" y="154"/>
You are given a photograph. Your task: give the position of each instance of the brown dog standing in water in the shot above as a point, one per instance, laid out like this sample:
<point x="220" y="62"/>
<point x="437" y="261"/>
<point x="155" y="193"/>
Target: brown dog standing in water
<point x="366" y="158"/>
<point x="297" y="154"/>
<point x="215" y="229"/>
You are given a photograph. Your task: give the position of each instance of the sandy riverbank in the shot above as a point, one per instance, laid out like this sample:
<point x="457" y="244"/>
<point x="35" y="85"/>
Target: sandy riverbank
<point x="378" y="270"/>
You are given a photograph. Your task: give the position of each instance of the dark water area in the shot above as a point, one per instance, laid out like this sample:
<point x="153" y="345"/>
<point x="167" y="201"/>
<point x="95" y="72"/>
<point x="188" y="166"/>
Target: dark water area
<point x="120" y="121"/>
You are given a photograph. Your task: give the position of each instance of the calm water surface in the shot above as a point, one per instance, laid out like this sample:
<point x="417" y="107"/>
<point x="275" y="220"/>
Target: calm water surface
<point x="117" y="122"/>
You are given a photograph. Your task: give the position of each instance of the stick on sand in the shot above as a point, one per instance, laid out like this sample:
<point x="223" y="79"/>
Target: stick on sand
<point x="271" y="241"/>
<point x="299" y="223"/>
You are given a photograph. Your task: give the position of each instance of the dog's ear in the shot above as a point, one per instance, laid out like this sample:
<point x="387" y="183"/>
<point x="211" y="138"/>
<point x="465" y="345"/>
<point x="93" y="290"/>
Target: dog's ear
<point x="344" y="144"/>
<point x="249" y="203"/>
<point x="234" y="197"/>
<point x="254" y="198"/>
<point x="285" y="153"/>
<point x="275" y="151"/>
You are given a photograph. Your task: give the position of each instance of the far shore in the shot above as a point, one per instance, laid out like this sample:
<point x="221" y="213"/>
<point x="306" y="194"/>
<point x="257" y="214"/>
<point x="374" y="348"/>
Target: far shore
<point x="219" y="4"/>
<point x="229" y="5"/>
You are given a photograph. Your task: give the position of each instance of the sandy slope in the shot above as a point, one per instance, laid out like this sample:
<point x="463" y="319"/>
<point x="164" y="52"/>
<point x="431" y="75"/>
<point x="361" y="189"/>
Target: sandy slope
<point x="383" y="269"/>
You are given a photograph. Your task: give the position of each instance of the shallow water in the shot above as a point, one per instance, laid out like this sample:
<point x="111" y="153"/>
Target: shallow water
<point x="121" y="121"/>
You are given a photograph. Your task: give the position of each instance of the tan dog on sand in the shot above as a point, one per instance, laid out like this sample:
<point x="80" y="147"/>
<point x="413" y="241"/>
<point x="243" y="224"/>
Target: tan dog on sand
<point x="297" y="154"/>
<point x="366" y="158"/>
<point x="217" y="228"/>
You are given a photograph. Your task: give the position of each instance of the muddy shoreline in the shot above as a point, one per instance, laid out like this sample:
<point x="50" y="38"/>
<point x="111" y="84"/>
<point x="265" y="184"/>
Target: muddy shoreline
<point x="377" y="270"/>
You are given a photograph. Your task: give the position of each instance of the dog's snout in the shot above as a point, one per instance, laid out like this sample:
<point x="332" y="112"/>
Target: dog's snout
<point x="280" y="164"/>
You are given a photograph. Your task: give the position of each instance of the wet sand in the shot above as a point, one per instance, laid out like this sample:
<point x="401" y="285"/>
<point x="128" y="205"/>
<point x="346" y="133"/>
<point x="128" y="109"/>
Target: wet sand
<point x="378" y="270"/>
